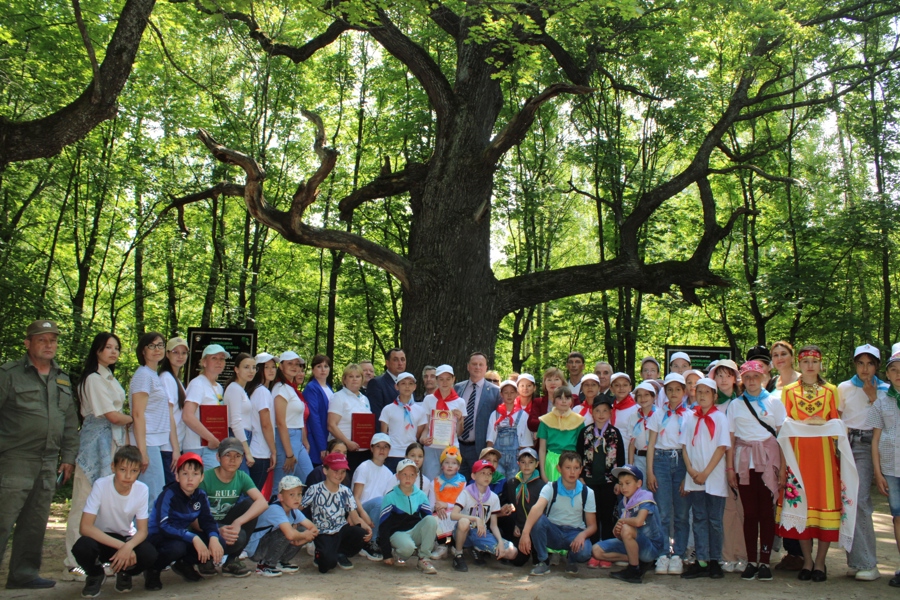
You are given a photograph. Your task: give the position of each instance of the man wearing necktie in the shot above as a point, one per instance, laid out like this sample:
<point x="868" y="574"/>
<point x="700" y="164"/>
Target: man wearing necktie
<point x="382" y="390"/>
<point x="482" y="398"/>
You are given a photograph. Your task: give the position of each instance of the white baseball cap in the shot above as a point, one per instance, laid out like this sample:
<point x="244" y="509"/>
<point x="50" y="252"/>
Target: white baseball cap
<point x="403" y="464"/>
<point x="289" y="355"/>
<point x="526" y="376"/>
<point x="379" y="438"/>
<point x="710" y="383"/>
<point x="407" y="375"/>
<point x="508" y="382"/>
<point x="682" y="356"/>
<point x="444" y="369"/>
<point x="867" y="349"/>
<point x="674" y="378"/>
<point x="264" y="357"/>
<point x="590" y="377"/>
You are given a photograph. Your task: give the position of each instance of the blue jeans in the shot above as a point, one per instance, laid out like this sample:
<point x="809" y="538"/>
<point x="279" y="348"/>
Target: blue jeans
<point x="709" y="534"/>
<point x="155" y="475"/>
<point x="669" y="470"/>
<point x="862" y="554"/>
<point x="546" y="535"/>
<point x="259" y="472"/>
<point x="210" y="457"/>
<point x="431" y="467"/>
<point x="167" y="470"/>
<point x="249" y="435"/>
<point x="303" y="467"/>
<point x="372" y="506"/>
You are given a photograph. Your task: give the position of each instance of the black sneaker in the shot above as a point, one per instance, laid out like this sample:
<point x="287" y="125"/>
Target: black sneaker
<point x="123" y="582"/>
<point x="715" y="570"/>
<point x="630" y="574"/>
<point x="92" y="585"/>
<point x="895" y="580"/>
<point x="151" y="580"/>
<point x="234" y="568"/>
<point x="764" y="573"/>
<point x="186" y="571"/>
<point x="750" y="572"/>
<point x="572" y="568"/>
<point x="477" y="558"/>
<point x="372" y="552"/>
<point x="459" y="564"/>
<point x="344" y="562"/>
<point x="207" y="569"/>
<point x="646" y="566"/>
<point x="695" y="571"/>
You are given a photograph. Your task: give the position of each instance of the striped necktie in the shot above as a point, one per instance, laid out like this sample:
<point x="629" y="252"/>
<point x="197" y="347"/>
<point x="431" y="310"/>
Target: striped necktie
<point x="469" y="421"/>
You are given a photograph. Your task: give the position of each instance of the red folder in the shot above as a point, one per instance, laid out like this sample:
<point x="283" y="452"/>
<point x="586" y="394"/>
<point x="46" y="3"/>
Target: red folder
<point x="215" y="418"/>
<point x="362" y="428"/>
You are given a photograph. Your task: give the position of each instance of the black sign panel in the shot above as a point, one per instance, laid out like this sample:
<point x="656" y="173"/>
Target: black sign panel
<point x="233" y="340"/>
<point x="701" y="356"/>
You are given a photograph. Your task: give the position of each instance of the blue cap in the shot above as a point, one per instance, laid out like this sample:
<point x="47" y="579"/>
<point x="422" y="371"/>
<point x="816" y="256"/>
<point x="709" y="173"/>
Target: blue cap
<point x="628" y="470"/>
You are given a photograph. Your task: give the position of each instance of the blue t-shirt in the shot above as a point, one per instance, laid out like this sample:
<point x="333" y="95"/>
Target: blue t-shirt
<point x="269" y="521"/>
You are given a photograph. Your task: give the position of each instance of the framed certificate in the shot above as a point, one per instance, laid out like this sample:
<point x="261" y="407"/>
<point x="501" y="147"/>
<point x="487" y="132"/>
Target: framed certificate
<point x="443" y="428"/>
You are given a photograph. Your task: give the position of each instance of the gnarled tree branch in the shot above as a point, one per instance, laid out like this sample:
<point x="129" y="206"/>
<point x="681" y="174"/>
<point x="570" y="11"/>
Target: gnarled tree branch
<point x="760" y="172"/>
<point x="223" y="188"/>
<point x="409" y="179"/>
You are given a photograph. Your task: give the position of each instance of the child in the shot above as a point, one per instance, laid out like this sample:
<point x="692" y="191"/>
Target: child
<point x="680" y="363"/>
<point x="639" y="537"/>
<point x="590" y="389"/>
<point x="416" y="453"/>
<point x="333" y="510"/>
<point x="522" y="492"/>
<point x="180" y="504"/>
<point x="317" y="475"/>
<point x="704" y="441"/>
<point x="884" y="418"/>
<point x="558" y="432"/>
<point x="115" y="505"/>
<point x="649" y="368"/>
<point x="443" y="399"/>
<point x="235" y="504"/>
<point x="623" y="406"/>
<point x="690" y="379"/>
<point x="371" y="481"/>
<point x="277" y="537"/>
<point x="406" y="525"/>
<point x="447" y="487"/>
<point x="639" y="425"/>
<point x="753" y="464"/>
<point x="508" y="428"/>
<point x="477" y="508"/>
<point x="564" y="518"/>
<point x="600" y="449"/>
<point x="403" y="420"/>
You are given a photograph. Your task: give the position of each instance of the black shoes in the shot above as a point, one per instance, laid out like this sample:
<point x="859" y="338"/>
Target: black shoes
<point x="715" y="570"/>
<point x="750" y="572"/>
<point x="695" y="571"/>
<point x="151" y="580"/>
<point x="459" y="564"/>
<point x="630" y="574"/>
<point x="186" y="571"/>
<point x="38" y="583"/>
<point x="92" y="585"/>
<point x="764" y="573"/>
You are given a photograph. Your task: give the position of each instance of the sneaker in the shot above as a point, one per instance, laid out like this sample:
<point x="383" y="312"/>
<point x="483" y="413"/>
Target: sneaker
<point x="74" y="574"/>
<point x="740" y="565"/>
<point x="459" y="563"/>
<point x="715" y="570"/>
<point x="311" y="549"/>
<point x="676" y="566"/>
<point x="764" y="573"/>
<point x="344" y="562"/>
<point x="630" y="574"/>
<point x="593" y="563"/>
<point x="371" y="552"/>
<point x="662" y="565"/>
<point x="123" y="582"/>
<point x="690" y="557"/>
<point x="645" y="565"/>
<point x="867" y="575"/>
<point x="695" y="571"/>
<point x="207" y="569"/>
<point x="750" y="573"/>
<point x="92" y="586"/>
<point x="426" y="567"/>
<point x="895" y="580"/>
<point x="542" y="568"/>
<point x="728" y="566"/>
<point x="151" y="580"/>
<point x="187" y="572"/>
<point x="439" y="552"/>
<point x="234" y="568"/>
<point x="477" y="558"/>
<point x="107" y="568"/>
<point x="267" y="571"/>
<point x="571" y="568"/>
<point x="554" y="559"/>
<point x="288" y="568"/>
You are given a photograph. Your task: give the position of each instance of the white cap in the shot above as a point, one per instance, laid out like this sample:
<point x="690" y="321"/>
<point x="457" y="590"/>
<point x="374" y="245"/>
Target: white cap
<point x="289" y="355"/>
<point x="215" y="349"/>
<point x="444" y="369"/>
<point x="681" y="355"/>
<point x="526" y="376"/>
<point x="725" y="363"/>
<point x="710" y="383"/>
<point x="895" y="348"/>
<point x="620" y="375"/>
<point x="674" y="378"/>
<point x="590" y="377"/>
<point x="867" y="349"/>
<point x="696" y="372"/>
<point x="379" y="438"/>
<point x="405" y="375"/>
<point x="404" y="464"/>
<point x="264" y="357"/>
<point x="646" y="386"/>
<point x="509" y="382"/>
<point x="649" y="359"/>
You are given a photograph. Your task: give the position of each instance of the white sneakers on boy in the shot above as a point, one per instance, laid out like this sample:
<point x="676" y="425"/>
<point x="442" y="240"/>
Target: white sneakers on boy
<point x="867" y="575"/>
<point x="662" y="565"/>
<point x="676" y="566"/>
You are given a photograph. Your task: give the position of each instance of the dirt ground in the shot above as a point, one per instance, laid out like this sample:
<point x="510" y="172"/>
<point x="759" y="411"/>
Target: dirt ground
<point x="374" y="580"/>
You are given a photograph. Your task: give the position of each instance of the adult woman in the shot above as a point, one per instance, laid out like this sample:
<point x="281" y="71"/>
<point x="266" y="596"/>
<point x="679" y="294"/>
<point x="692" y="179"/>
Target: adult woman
<point x="317" y="395"/>
<point x="203" y="390"/>
<point x="170" y="375"/>
<point x="101" y="398"/>
<point x="291" y="440"/>
<point x="262" y="442"/>
<point x="345" y="403"/>
<point x="240" y="410"/>
<point x="551" y="381"/>
<point x="783" y="361"/>
<point x="154" y="423"/>
<point x="811" y="505"/>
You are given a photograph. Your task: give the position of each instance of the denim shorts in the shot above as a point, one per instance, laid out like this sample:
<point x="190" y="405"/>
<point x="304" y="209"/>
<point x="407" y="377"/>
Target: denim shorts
<point x="893" y="494"/>
<point x="647" y="551"/>
<point x="484" y="543"/>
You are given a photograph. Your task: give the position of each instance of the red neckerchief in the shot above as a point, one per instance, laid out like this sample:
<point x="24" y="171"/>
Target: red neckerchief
<point x="624" y="404"/>
<point x="582" y="409"/>
<point x="502" y="414"/>
<point x="710" y="424"/>
<point x="442" y="402"/>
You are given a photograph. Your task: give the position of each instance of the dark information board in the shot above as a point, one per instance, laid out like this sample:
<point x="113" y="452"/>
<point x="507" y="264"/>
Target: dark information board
<point x="701" y="356"/>
<point x="233" y="340"/>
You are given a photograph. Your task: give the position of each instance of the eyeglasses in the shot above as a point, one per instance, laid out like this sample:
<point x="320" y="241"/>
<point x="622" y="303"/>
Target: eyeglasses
<point x="158" y="346"/>
<point x="302" y="365"/>
<point x="494" y="381"/>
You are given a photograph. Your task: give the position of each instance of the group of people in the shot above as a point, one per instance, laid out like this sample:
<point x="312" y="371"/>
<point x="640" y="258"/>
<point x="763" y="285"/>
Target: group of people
<point x="695" y="474"/>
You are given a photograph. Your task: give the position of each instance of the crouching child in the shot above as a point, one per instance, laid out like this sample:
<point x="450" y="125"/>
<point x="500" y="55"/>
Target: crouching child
<point x="278" y="535"/>
<point x="406" y="525"/>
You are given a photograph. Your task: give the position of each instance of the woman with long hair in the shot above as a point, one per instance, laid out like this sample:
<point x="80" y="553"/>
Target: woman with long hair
<point x="204" y="389"/>
<point x="262" y="442"/>
<point x="170" y="375"/>
<point x="240" y="410"/>
<point x="291" y="441"/>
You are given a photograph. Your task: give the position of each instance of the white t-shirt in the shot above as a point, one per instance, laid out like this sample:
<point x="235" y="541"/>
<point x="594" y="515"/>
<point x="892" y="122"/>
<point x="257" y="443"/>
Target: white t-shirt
<point x="378" y="481"/>
<point x="201" y="392"/>
<point x="640" y="434"/>
<point x="668" y="437"/>
<point x="295" y="408"/>
<point x="116" y="513"/>
<point x="402" y="434"/>
<point x="429" y="405"/>
<point x="171" y="387"/>
<point x="260" y="399"/>
<point x="700" y="450"/>
<point x="526" y="439"/>
<point x="575" y="387"/>
<point x="853" y="404"/>
<point x="744" y="425"/>
<point x="240" y="411"/>
<point x="471" y="507"/>
<point x="568" y="511"/>
<point x="622" y="417"/>
<point x="156" y="414"/>
<point x="346" y="403"/>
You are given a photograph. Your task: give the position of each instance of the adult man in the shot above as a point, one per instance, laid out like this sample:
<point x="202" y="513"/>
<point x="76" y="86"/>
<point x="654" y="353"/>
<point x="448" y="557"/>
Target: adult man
<point x="381" y="391"/>
<point x="368" y="371"/>
<point x="482" y="398"/>
<point x="575" y="367"/>
<point x="38" y="430"/>
<point x="603" y="370"/>
<point x="429" y="381"/>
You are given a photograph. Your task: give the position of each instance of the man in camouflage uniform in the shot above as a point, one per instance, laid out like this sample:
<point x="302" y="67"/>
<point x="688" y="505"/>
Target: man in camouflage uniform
<point x="38" y="431"/>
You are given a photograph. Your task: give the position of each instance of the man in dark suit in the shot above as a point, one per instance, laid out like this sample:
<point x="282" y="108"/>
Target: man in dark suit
<point x="482" y="398"/>
<point x="382" y="390"/>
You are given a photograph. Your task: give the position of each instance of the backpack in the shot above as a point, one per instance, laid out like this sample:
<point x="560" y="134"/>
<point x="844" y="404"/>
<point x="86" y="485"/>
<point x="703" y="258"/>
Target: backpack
<point x="584" y="495"/>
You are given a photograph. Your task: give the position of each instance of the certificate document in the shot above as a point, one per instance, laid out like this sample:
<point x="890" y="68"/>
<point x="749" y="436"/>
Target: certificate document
<point x="443" y="428"/>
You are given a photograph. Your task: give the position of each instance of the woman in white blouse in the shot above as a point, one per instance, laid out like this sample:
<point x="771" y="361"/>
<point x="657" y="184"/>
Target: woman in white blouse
<point x="204" y="389"/>
<point x="346" y="402"/>
<point x="291" y="443"/>
<point x="170" y="375"/>
<point x="262" y="442"/>
<point x="240" y="411"/>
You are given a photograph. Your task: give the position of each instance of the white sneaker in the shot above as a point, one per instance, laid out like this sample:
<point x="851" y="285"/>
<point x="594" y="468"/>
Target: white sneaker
<point x="867" y="575"/>
<point x="728" y="566"/>
<point x="740" y="565"/>
<point x="74" y="574"/>
<point x="311" y="549"/>
<point x="439" y="552"/>
<point x="676" y="567"/>
<point x="690" y="557"/>
<point x="662" y="565"/>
